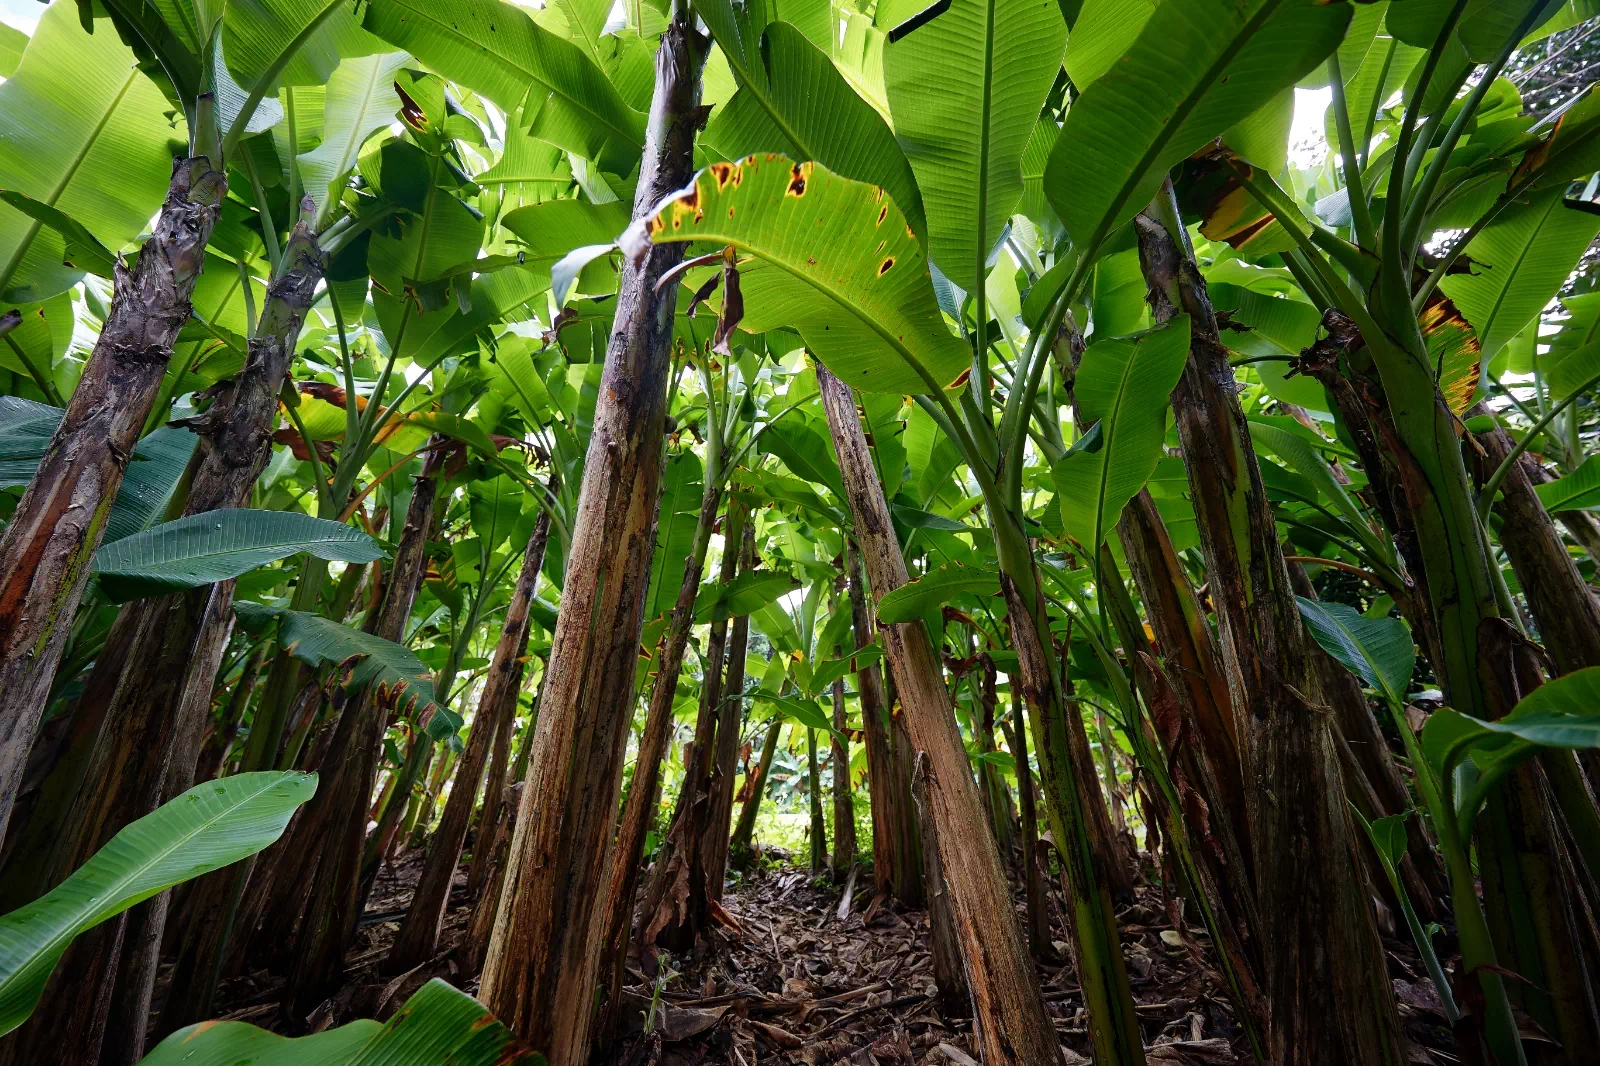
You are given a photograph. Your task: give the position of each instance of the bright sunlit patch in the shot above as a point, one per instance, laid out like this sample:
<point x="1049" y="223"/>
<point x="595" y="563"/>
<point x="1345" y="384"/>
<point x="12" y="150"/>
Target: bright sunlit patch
<point x="1308" y="143"/>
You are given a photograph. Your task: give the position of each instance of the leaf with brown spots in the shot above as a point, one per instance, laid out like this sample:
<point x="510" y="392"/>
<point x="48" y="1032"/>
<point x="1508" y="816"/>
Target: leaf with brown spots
<point x="831" y="258"/>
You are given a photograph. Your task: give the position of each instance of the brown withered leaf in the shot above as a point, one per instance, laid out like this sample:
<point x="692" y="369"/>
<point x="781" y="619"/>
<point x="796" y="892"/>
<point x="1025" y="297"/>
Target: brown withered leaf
<point x="732" y="303"/>
<point x="1452" y="349"/>
<point x="290" y="438"/>
<point x="410" y="110"/>
<point x="1209" y="188"/>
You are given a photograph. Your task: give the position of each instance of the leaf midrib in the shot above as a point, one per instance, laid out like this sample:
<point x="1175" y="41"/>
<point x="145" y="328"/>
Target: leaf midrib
<point x="1108" y="434"/>
<point x="1511" y="275"/>
<point x="32" y="229"/>
<point x="117" y="889"/>
<point x="354" y="142"/>
<point x="889" y="338"/>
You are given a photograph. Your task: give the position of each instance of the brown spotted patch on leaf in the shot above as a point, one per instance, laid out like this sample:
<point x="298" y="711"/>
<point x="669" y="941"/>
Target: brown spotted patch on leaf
<point x="723" y="172"/>
<point x="883" y="267"/>
<point x="799" y="174"/>
<point x="1453" y="351"/>
<point x="961" y="379"/>
<point x="883" y="213"/>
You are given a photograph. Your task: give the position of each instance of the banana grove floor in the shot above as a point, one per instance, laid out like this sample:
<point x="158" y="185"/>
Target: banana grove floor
<point x="810" y="972"/>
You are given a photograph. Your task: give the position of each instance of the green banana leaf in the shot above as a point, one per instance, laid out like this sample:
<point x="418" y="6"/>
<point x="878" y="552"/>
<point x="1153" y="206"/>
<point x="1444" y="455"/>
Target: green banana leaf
<point x="317" y="641"/>
<point x="12" y="42"/>
<point x="964" y="116"/>
<point x="746" y="594"/>
<point x="498" y="50"/>
<point x="793" y="100"/>
<point x="206" y="548"/>
<point x="1195" y="70"/>
<point x="934" y="589"/>
<point x="1123" y="386"/>
<point x="1578" y="491"/>
<point x="359" y="102"/>
<point x="438" y="1024"/>
<point x="159" y="461"/>
<point x="1519" y="263"/>
<point x="676" y="521"/>
<point x="86" y="135"/>
<point x="1377" y="650"/>
<point x="211" y="825"/>
<point x="835" y="260"/>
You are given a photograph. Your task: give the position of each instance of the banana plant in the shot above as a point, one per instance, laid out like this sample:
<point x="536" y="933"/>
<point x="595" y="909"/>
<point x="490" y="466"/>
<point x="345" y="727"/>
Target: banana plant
<point x="210" y="826"/>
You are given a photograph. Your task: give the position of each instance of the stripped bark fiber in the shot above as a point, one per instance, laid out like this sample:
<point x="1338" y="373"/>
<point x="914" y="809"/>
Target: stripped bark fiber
<point x="543" y="958"/>
<point x="1005" y="994"/>
<point x="60" y="520"/>
<point x="1325" y="1004"/>
<point x="419" y="933"/>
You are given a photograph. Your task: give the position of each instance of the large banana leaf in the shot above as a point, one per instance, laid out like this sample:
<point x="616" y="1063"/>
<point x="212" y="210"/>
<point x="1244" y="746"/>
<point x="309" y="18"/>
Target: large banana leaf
<point x="1488" y="25"/>
<point x="206" y="548"/>
<point x="1519" y="263"/>
<point x="317" y="641"/>
<point x="291" y="42"/>
<point x="746" y="594"/>
<point x="208" y="827"/>
<point x="1571" y="370"/>
<point x="12" y="42"/>
<point x="836" y="261"/>
<point x="793" y="100"/>
<point x="934" y="589"/>
<point x="1563" y="713"/>
<point x="965" y="92"/>
<point x="1102" y="34"/>
<point x="494" y="509"/>
<point x="1197" y="68"/>
<point x="159" y="462"/>
<point x="438" y="1024"/>
<point x="360" y="101"/>
<point x="497" y="50"/>
<point x="549" y="231"/>
<point x="1580" y="329"/>
<point x="85" y="133"/>
<point x="1123" y="388"/>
